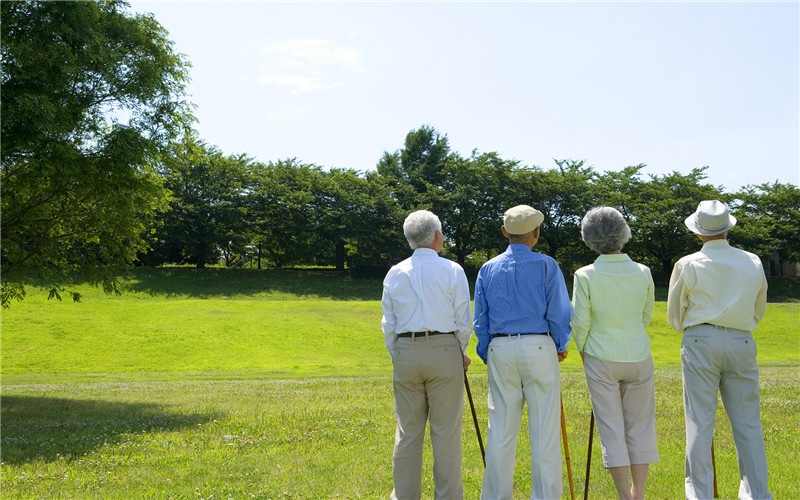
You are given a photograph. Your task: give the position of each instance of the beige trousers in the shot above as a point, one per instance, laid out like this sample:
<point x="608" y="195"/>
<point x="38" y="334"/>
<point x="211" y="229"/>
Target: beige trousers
<point x="624" y="406"/>
<point x="428" y="387"/>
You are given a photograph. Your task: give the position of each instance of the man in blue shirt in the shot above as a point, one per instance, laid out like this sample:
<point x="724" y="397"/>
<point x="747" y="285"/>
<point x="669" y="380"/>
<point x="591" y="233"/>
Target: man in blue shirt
<point x="522" y="314"/>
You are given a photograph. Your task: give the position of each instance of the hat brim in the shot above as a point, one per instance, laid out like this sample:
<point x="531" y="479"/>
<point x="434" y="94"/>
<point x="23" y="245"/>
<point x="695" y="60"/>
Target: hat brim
<point x="691" y="223"/>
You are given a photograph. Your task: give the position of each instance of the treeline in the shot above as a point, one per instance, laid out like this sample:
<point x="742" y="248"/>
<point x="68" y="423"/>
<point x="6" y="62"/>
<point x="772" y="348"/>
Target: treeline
<point x="240" y="212"/>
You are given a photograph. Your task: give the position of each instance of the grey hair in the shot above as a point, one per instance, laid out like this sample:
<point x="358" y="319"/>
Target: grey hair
<point x="420" y="228"/>
<point x="604" y="230"/>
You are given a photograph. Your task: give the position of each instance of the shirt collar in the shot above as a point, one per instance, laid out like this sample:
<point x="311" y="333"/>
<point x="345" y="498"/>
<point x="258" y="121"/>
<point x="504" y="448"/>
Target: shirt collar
<point x="519" y="247"/>
<point x="716" y="243"/>
<point x="612" y="257"/>
<point x="427" y="252"/>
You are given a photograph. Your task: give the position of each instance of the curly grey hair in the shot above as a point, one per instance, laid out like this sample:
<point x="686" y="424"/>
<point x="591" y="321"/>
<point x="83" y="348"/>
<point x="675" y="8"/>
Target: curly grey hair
<point x="604" y="230"/>
<point x="420" y="228"/>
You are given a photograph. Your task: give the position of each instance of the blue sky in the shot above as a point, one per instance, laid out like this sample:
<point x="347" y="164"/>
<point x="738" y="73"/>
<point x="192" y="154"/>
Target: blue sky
<point x="673" y="85"/>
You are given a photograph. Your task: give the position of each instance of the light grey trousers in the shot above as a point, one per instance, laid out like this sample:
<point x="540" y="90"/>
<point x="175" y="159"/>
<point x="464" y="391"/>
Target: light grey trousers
<point x="523" y="369"/>
<point x="722" y="359"/>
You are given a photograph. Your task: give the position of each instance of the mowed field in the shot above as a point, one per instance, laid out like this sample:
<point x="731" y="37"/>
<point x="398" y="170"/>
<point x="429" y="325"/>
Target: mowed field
<point x="276" y="384"/>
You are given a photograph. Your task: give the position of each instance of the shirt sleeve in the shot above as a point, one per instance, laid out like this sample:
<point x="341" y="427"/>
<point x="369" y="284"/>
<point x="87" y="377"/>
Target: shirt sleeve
<point x="559" y="308"/>
<point x="581" y="311"/>
<point x="388" y="321"/>
<point x="647" y="312"/>
<point x="461" y="308"/>
<point x="761" y="300"/>
<point x="481" y="323"/>
<point x="677" y="299"/>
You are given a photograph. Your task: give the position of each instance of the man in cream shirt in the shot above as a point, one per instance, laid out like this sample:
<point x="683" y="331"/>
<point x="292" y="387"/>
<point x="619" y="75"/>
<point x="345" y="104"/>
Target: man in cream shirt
<point x="716" y="298"/>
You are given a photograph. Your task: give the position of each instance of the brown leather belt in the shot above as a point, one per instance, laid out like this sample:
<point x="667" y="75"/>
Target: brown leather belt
<point x="421" y="334"/>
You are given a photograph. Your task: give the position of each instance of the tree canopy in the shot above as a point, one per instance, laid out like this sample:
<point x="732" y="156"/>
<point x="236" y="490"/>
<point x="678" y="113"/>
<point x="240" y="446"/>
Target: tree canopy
<point x="92" y="99"/>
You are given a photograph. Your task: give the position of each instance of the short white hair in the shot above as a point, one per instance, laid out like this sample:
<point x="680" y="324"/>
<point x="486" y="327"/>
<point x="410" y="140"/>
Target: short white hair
<point x="420" y="228"/>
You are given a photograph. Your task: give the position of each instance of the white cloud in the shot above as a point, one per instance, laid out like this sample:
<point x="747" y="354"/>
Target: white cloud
<point x="298" y="84"/>
<point x="305" y="65"/>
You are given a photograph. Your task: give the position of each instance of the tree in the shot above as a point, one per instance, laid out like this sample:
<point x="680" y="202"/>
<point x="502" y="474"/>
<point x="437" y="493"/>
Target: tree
<point x="563" y="195"/>
<point x="655" y="210"/>
<point x="342" y="211"/>
<point x="768" y="219"/>
<point x="92" y="96"/>
<point x="207" y="209"/>
<point x="416" y="170"/>
<point x="280" y="210"/>
<point x="470" y="201"/>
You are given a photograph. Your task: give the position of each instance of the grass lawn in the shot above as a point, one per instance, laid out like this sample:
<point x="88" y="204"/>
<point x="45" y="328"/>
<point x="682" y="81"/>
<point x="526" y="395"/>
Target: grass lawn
<point x="255" y="384"/>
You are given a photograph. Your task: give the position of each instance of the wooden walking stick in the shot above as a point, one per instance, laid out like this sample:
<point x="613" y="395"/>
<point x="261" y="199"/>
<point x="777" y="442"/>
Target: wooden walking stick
<point x="714" y="468"/>
<point x="475" y="419"/>
<point x="566" y="450"/>
<point x="589" y="457"/>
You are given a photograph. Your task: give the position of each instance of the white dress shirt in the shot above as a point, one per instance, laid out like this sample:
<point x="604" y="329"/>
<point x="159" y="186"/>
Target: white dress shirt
<point x="426" y="292"/>
<point x="719" y="285"/>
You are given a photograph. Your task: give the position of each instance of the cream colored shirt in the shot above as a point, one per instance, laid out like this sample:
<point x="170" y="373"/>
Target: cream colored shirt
<point x="612" y="304"/>
<point x="720" y="285"/>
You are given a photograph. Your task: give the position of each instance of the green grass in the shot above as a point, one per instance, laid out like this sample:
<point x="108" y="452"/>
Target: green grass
<point x="247" y="384"/>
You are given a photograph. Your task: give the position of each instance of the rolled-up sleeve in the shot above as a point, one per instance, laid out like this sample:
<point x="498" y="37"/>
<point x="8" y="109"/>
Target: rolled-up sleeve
<point x="581" y="311"/>
<point x="677" y="299"/>
<point x="559" y="308"/>
<point x="481" y="323"/>
<point x="389" y="319"/>
<point x="461" y="309"/>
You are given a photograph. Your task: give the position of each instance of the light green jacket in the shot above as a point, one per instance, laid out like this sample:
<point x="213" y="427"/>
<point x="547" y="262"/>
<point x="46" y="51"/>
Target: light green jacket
<point x="612" y="303"/>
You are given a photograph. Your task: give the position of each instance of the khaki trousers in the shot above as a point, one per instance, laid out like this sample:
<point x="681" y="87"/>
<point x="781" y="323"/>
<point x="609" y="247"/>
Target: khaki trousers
<point x="428" y="386"/>
<point x="721" y="359"/>
<point x="624" y="406"/>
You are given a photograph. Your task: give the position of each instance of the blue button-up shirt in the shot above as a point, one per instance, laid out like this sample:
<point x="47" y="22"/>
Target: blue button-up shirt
<point x="521" y="291"/>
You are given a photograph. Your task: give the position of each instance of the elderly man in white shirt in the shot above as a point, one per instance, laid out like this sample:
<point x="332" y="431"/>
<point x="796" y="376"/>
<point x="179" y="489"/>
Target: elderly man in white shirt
<point x="716" y="298"/>
<point x="426" y="326"/>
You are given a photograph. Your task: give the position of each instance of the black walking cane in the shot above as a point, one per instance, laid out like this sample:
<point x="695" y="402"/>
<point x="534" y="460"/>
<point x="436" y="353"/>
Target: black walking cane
<point x="589" y="457"/>
<point x="475" y="419"/>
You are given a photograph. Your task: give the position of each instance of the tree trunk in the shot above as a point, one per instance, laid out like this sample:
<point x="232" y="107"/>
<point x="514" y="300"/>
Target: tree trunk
<point x="340" y="255"/>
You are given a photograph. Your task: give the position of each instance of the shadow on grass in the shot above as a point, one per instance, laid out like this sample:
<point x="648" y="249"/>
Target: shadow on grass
<point x="42" y="428"/>
<point x="223" y="282"/>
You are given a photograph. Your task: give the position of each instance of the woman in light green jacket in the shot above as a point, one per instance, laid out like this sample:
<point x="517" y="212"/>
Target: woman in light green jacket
<point x="612" y="304"/>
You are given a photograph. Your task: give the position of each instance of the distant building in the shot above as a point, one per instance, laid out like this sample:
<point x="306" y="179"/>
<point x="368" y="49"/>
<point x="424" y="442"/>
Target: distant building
<point x="775" y="267"/>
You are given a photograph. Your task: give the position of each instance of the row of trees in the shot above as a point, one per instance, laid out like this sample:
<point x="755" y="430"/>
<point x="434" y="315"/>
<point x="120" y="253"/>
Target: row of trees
<point x="238" y="211"/>
<point x="101" y="170"/>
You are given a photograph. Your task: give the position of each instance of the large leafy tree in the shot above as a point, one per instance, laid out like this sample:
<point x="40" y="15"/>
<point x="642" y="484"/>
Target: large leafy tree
<point x="470" y="201"/>
<point x="655" y="210"/>
<point x="563" y="195"/>
<point x="769" y="220"/>
<point x="280" y="211"/>
<point x="343" y="213"/>
<point x="415" y="171"/>
<point x="91" y="97"/>
<point x="207" y="209"/>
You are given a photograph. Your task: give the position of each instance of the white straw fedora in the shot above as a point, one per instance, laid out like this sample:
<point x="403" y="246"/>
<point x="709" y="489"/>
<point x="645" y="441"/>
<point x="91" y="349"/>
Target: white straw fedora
<point x="712" y="217"/>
